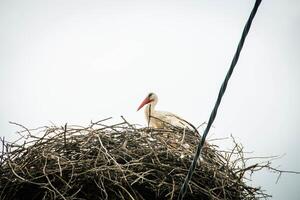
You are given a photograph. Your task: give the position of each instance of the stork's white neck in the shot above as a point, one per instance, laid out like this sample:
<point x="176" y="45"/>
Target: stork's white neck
<point x="149" y="111"/>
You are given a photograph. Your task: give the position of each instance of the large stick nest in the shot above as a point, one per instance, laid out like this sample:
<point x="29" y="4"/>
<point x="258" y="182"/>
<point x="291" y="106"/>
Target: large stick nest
<point x="119" y="162"/>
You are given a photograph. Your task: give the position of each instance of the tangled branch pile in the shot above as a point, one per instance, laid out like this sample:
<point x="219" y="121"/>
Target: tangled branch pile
<point x="119" y="162"/>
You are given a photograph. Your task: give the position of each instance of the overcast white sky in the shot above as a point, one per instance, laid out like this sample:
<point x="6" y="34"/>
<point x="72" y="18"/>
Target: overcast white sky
<point x="75" y="61"/>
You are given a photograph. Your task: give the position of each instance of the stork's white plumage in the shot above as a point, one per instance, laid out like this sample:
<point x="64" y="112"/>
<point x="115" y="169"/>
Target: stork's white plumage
<point x="160" y="119"/>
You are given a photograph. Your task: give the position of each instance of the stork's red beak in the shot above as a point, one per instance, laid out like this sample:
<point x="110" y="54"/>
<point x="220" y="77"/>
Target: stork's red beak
<point x="146" y="101"/>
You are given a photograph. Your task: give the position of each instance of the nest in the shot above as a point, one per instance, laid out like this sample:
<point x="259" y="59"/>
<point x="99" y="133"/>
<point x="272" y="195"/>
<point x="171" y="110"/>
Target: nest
<point x="119" y="161"/>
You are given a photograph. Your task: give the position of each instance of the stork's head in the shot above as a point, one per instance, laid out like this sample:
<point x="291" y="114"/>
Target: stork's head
<point x="151" y="98"/>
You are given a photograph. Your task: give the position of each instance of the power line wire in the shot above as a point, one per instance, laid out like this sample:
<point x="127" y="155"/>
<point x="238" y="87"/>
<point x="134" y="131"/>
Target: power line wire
<point x="221" y="93"/>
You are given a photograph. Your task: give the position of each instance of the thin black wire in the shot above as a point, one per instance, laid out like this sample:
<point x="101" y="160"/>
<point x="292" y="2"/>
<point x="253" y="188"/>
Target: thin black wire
<point x="221" y="93"/>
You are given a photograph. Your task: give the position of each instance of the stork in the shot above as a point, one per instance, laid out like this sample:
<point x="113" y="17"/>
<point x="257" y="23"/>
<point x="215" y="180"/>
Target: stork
<point x="160" y="119"/>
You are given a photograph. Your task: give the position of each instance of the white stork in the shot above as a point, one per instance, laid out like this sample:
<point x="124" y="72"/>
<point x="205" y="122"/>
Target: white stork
<point x="160" y="119"/>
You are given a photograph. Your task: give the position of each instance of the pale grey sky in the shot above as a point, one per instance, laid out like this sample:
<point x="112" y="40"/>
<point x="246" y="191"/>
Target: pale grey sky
<point x="75" y="61"/>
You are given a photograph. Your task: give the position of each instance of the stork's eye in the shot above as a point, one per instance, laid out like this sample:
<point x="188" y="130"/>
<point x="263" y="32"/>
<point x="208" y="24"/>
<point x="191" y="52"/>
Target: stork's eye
<point x="150" y="95"/>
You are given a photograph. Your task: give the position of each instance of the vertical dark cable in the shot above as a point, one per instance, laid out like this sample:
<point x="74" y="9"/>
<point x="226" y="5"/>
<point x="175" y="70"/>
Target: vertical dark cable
<point x="221" y="93"/>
